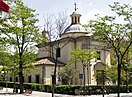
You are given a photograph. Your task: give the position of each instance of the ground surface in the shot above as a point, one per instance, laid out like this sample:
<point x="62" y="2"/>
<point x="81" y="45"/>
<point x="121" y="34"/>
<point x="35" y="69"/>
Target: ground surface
<point x="9" y="93"/>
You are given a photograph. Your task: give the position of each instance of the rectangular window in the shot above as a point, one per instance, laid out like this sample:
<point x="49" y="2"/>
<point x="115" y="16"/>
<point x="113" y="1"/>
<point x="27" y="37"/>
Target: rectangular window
<point x="23" y="78"/>
<point x="37" y="78"/>
<point x="10" y="79"/>
<point x="16" y="79"/>
<point x="29" y="79"/>
<point x="75" y="20"/>
<point x="99" y="55"/>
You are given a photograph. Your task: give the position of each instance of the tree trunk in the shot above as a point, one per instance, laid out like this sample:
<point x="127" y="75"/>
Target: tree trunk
<point x="119" y="77"/>
<point x="21" y="79"/>
<point x="21" y="74"/>
<point x="84" y="79"/>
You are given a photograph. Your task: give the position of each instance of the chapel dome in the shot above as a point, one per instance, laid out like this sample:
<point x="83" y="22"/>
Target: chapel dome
<point x="74" y="28"/>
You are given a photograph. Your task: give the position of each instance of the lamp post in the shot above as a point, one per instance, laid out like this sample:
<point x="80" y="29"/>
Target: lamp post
<point x="3" y="75"/>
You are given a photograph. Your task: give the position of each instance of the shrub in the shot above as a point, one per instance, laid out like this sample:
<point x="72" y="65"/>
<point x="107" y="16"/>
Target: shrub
<point x="68" y="89"/>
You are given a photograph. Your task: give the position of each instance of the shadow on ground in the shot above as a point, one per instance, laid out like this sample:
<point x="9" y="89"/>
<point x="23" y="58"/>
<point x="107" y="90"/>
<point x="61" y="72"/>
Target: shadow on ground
<point x="121" y="96"/>
<point x="7" y="93"/>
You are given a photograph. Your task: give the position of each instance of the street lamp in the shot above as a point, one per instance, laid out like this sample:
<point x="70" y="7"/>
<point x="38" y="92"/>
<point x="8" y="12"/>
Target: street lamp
<point x="4" y="78"/>
<point x="3" y="75"/>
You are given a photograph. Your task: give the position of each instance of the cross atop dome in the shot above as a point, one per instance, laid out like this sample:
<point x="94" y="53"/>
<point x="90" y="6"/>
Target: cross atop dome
<point x="75" y="6"/>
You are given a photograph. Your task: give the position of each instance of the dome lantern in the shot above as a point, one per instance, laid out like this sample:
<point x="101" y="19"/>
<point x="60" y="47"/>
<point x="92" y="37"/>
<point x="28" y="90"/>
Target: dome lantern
<point x="75" y="17"/>
<point x="75" y="27"/>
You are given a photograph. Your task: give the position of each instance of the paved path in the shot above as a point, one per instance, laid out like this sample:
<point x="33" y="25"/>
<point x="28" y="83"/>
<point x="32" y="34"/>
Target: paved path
<point x="8" y="93"/>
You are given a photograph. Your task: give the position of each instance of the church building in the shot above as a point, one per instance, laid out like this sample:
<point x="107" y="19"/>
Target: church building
<point x="73" y="37"/>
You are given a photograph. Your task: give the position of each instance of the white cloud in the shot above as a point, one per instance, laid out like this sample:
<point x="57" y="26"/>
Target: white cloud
<point x="91" y="15"/>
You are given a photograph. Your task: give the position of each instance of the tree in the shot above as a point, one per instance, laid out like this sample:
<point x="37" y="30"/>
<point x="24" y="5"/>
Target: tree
<point x="21" y="34"/>
<point x="61" y="23"/>
<point x="84" y="56"/>
<point x="67" y="74"/>
<point x="110" y="75"/>
<point x="54" y="25"/>
<point x="117" y="35"/>
<point x="53" y="28"/>
<point x="5" y="62"/>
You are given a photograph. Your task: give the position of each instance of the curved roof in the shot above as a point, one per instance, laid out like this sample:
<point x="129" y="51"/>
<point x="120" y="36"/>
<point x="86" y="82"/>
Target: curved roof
<point x="75" y="28"/>
<point x="75" y="13"/>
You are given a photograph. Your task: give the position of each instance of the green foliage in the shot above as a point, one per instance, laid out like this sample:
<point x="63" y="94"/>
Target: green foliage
<point x="6" y="61"/>
<point x="22" y="30"/>
<point x="110" y="75"/>
<point x="67" y="74"/>
<point x="117" y="35"/>
<point x="69" y="89"/>
<point x="113" y="58"/>
<point x="82" y="55"/>
<point x="21" y="33"/>
<point x="99" y="77"/>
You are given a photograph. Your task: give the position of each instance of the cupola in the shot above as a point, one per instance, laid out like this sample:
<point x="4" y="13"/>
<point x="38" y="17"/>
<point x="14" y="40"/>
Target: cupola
<point x="75" y="18"/>
<point x="75" y="28"/>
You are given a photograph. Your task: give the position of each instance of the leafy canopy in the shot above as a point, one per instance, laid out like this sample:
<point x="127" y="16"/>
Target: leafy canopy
<point x="82" y="55"/>
<point x="117" y="34"/>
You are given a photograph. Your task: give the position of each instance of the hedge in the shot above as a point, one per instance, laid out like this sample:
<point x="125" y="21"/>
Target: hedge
<point x="68" y="89"/>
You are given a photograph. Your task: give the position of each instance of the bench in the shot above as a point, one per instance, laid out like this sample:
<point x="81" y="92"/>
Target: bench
<point x="28" y="92"/>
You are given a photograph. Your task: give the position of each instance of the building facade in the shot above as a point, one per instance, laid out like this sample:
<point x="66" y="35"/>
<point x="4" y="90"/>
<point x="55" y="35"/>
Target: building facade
<point x="74" y="36"/>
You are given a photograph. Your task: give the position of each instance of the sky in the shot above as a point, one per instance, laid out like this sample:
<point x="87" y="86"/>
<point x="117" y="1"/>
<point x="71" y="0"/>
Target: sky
<point x="87" y="8"/>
